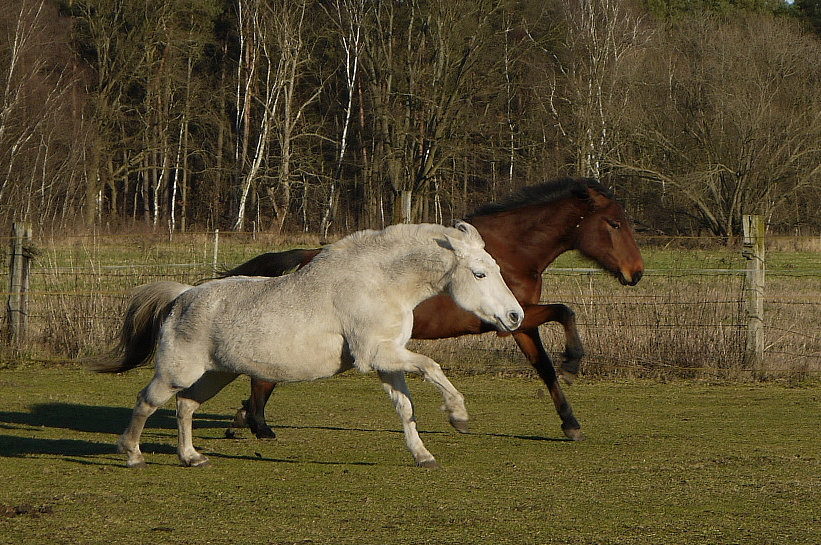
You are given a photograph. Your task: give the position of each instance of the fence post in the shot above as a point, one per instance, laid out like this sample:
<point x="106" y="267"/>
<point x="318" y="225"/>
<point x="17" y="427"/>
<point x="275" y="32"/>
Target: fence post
<point x="753" y="251"/>
<point x="216" y="251"/>
<point x="19" y="267"/>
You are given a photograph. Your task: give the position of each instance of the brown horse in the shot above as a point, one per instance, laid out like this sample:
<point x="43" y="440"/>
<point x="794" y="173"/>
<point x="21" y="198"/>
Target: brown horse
<point x="524" y="232"/>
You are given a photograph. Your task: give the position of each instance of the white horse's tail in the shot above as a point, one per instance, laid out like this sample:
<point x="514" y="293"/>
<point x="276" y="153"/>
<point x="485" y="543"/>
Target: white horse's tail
<point x="150" y="305"/>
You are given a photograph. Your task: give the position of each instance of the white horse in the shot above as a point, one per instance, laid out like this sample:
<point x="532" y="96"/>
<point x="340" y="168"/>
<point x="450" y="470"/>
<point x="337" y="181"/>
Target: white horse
<point x="352" y="306"/>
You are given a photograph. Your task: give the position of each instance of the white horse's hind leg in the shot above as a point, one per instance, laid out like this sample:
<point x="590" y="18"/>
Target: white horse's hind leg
<point x="151" y="398"/>
<point x="188" y="401"/>
<point x="396" y="387"/>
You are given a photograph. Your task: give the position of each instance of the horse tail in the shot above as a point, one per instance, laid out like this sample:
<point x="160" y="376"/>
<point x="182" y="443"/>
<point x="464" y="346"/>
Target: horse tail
<point x="149" y="307"/>
<point x="273" y="263"/>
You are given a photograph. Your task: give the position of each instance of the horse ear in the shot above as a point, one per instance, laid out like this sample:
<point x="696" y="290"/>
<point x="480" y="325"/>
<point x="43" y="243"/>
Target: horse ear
<point x="451" y="243"/>
<point x="471" y="233"/>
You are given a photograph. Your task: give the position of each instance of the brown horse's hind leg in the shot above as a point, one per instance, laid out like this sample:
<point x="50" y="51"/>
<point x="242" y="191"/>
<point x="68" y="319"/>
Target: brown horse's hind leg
<point x="531" y="344"/>
<point x="252" y="413"/>
<point x="536" y="315"/>
<point x="260" y="393"/>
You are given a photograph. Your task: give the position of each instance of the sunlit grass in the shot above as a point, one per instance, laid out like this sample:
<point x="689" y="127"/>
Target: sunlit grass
<point x="682" y="462"/>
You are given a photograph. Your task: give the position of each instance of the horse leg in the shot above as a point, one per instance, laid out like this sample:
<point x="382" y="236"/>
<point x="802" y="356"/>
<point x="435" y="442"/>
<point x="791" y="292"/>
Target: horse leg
<point x="188" y="401"/>
<point x="252" y="413"/>
<point x="391" y="358"/>
<point x="151" y="398"/>
<point x="531" y="344"/>
<point x="536" y="315"/>
<point x="260" y="393"/>
<point x="396" y="387"/>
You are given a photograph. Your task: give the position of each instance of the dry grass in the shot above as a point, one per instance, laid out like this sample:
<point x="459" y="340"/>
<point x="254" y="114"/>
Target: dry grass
<point x="678" y="322"/>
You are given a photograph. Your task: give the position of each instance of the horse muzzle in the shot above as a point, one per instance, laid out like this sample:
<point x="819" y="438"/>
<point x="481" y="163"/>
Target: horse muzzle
<point x="630" y="280"/>
<point x="511" y="321"/>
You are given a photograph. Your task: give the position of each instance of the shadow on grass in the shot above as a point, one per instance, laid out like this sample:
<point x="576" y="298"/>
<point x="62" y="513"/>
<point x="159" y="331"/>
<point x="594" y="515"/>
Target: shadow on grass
<point x="424" y="432"/>
<point x="113" y="420"/>
<point x="97" y="419"/>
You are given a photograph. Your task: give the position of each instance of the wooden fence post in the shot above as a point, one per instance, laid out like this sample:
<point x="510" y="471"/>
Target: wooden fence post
<point x="754" y="290"/>
<point x="216" y="251"/>
<point x="19" y="267"/>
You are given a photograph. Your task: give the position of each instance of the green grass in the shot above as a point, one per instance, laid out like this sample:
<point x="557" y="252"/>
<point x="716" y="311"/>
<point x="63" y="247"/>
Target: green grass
<point x="682" y="462"/>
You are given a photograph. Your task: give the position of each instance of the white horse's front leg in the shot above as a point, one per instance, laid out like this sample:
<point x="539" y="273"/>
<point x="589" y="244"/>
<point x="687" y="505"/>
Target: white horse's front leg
<point x="390" y="357"/>
<point x="401" y="359"/>
<point x="454" y="400"/>
<point x="396" y="387"/>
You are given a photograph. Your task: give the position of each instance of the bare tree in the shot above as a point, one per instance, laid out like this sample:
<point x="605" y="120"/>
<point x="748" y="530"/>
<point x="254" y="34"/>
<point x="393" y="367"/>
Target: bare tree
<point x="274" y="44"/>
<point x="586" y="91"/>
<point x="731" y="125"/>
<point x="38" y="148"/>
<point x="347" y="16"/>
<point x="419" y="59"/>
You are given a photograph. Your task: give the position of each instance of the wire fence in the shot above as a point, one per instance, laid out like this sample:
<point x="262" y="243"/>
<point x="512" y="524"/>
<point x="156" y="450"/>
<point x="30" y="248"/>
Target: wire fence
<point x="686" y="318"/>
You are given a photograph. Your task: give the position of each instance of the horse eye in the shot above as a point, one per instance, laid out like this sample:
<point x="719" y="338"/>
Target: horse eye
<point x="479" y="274"/>
<point x="614" y="224"/>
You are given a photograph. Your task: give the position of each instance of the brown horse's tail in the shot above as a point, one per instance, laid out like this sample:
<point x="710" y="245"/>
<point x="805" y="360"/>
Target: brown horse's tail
<point x="273" y="263"/>
<point x="149" y="307"/>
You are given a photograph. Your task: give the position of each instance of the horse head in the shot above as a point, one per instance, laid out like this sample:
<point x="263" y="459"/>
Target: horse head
<point x="476" y="282"/>
<point x="605" y="235"/>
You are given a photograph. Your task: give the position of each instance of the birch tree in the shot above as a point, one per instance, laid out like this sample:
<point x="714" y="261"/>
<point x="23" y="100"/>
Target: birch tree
<point x="419" y="59"/>
<point x="588" y="90"/>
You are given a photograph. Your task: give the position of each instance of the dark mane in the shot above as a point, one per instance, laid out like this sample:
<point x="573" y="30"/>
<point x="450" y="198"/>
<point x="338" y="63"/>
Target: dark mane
<point x="543" y="193"/>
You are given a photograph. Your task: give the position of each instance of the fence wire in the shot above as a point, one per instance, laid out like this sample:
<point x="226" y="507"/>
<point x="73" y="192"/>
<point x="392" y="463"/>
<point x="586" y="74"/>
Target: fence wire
<point x="680" y="320"/>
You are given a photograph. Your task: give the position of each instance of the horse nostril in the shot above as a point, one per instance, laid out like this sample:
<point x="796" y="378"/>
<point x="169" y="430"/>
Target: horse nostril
<point x="636" y="277"/>
<point x="514" y="317"/>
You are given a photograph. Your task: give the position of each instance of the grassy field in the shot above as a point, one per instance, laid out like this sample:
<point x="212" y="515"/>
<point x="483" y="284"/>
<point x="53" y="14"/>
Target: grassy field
<point x="679" y="462"/>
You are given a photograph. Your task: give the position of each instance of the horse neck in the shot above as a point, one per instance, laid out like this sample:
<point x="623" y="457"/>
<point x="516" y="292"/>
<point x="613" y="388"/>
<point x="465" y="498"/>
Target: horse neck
<point x="423" y="272"/>
<point x="532" y="237"/>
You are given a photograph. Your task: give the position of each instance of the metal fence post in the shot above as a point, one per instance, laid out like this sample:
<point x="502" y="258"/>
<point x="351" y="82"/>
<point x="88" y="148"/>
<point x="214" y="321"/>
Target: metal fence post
<point x="754" y="290"/>
<point x="19" y="267"/>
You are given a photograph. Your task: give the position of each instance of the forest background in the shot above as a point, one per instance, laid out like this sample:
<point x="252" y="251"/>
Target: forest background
<point x="329" y="116"/>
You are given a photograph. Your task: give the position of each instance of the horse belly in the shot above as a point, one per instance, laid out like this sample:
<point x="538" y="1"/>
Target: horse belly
<point x="291" y="358"/>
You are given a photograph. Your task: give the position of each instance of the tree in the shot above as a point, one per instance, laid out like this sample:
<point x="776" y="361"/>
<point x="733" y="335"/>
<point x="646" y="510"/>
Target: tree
<point x="586" y="89"/>
<point x="41" y="140"/>
<point x="273" y="43"/>
<point x="731" y="125"/>
<point x="419" y="59"/>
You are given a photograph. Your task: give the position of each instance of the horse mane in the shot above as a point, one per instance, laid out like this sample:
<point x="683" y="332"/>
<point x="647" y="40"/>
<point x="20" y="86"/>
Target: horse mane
<point x="544" y="193"/>
<point x="403" y="232"/>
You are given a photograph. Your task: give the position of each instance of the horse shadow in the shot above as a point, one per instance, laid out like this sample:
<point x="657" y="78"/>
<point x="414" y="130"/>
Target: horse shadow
<point x="84" y="419"/>
<point x="113" y="420"/>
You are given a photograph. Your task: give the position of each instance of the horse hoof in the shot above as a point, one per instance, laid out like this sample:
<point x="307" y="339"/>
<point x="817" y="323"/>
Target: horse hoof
<point x="461" y="426"/>
<point x="571" y="360"/>
<point x="233" y="433"/>
<point x="574" y="434"/>
<point x="136" y="465"/>
<point x="240" y="419"/>
<point x="266" y="433"/>
<point x="427" y="463"/>
<point x="202" y="461"/>
<point x="568" y="377"/>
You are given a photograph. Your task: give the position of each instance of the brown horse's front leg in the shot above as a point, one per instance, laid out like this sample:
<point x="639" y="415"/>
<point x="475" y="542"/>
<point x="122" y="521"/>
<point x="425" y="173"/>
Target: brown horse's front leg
<point x="536" y="315"/>
<point x="531" y="344"/>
